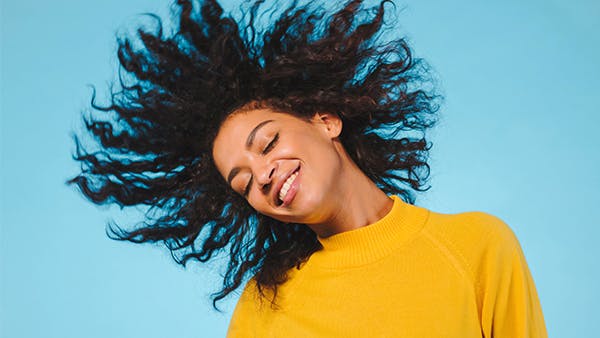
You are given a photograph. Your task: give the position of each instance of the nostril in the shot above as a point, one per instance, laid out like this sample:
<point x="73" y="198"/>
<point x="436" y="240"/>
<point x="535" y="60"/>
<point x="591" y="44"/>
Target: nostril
<point x="266" y="187"/>
<point x="271" y="173"/>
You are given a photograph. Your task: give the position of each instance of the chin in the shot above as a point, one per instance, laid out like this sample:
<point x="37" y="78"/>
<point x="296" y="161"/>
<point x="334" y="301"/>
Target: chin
<point x="307" y="209"/>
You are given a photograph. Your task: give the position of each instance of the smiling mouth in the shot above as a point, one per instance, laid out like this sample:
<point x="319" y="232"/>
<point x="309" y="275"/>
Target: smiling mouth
<point x="286" y="187"/>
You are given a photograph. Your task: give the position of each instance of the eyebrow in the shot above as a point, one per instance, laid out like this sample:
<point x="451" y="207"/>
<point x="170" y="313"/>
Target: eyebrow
<point x="249" y="142"/>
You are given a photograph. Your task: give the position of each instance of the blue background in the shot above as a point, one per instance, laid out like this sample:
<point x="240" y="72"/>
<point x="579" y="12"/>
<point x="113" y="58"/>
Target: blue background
<point x="518" y="137"/>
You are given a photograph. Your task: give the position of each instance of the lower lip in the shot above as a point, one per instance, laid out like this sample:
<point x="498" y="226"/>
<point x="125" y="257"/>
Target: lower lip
<point x="292" y="191"/>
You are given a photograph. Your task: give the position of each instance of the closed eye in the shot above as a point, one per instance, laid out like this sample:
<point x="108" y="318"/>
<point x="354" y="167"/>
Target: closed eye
<point x="247" y="189"/>
<point x="271" y="144"/>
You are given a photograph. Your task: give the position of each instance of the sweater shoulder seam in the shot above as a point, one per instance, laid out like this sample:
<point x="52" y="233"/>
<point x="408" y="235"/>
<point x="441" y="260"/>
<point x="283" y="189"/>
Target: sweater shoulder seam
<point x="455" y="256"/>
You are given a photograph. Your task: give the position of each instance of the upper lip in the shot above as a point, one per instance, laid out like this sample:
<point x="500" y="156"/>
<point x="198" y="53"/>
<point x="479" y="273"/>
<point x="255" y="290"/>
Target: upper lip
<point x="280" y="182"/>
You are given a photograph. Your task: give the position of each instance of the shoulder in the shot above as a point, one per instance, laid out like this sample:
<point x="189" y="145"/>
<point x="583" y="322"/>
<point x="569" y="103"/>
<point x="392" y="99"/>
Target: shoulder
<point x="470" y="230"/>
<point x="245" y="314"/>
<point x="250" y="299"/>
<point x="489" y="251"/>
<point x="477" y="241"/>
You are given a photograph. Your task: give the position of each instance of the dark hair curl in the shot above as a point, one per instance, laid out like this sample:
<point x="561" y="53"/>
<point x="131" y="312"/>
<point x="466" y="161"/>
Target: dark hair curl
<point x="154" y="138"/>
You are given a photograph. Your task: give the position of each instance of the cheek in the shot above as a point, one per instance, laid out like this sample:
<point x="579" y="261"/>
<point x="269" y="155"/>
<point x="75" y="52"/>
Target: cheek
<point x="258" y="202"/>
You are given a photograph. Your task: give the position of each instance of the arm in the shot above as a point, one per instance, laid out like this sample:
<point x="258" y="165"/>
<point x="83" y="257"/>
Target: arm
<point x="510" y="306"/>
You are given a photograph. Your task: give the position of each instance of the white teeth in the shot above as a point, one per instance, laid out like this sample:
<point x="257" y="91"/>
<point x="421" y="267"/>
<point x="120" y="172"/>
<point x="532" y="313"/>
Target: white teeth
<point x="286" y="186"/>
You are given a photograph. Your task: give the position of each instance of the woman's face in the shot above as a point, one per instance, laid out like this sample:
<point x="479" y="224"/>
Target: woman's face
<point x="286" y="167"/>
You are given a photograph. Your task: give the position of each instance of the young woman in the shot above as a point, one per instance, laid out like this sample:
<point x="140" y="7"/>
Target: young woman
<point x="297" y="149"/>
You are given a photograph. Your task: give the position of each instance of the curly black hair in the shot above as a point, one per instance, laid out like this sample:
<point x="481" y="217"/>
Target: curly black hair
<point x="153" y="140"/>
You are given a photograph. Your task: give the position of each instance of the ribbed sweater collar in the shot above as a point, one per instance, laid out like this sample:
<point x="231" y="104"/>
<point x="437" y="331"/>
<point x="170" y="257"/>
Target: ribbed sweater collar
<point x="374" y="241"/>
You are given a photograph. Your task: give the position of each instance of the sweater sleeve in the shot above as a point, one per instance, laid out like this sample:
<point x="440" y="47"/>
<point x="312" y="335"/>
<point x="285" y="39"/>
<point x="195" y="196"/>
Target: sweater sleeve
<point x="508" y="299"/>
<point x="244" y="314"/>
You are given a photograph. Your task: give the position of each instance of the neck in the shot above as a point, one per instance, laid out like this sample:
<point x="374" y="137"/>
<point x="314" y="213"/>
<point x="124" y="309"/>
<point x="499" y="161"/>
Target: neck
<point x="356" y="205"/>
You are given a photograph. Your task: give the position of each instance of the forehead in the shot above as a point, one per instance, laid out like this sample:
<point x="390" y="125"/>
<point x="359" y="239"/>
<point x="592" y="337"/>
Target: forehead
<point x="245" y="121"/>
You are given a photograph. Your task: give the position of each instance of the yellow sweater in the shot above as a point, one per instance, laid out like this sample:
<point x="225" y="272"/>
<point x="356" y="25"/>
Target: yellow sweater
<point x="414" y="273"/>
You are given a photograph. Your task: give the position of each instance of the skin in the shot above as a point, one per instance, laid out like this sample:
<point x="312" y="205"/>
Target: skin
<point x="330" y="193"/>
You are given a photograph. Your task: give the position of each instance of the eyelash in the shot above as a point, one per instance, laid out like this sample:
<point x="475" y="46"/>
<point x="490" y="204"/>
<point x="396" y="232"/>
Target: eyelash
<point x="271" y="144"/>
<point x="268" y="148"/>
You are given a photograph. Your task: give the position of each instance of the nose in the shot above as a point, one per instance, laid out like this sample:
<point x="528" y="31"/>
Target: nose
<point x="265" y="174"/>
